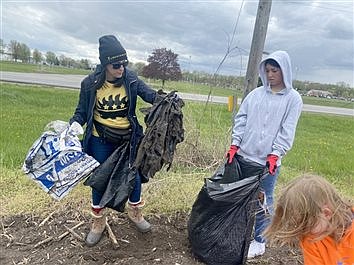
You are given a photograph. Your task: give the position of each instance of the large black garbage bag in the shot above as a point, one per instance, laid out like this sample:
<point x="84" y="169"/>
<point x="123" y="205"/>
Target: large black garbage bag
<point x="114" y="179"/>
<point x="222" y="217"/>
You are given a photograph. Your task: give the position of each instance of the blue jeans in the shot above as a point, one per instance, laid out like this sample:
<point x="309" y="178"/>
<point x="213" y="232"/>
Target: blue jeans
<point x="263" y="216"/>
<point x="101" y="150"/>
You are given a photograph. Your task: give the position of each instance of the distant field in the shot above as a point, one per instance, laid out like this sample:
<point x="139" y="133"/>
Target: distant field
<point x="186" y="87"/>
<point x="218" y="91"/>
<point x="328" y="102"/>
<point x="39" y="68"/>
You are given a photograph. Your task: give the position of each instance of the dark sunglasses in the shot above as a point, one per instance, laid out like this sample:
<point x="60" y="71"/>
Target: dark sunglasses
<point x="119" y="64"/>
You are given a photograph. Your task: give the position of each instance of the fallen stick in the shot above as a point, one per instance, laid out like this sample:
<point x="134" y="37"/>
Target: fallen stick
<point x="46" y="219"/>
<point x="20" y="244"/>
<point x="67" y="232"/>
<point x="48" y="239"/>
<point x="111" y="234"/>
<point x="76" y="235"/>
<point x="124" y="240"/>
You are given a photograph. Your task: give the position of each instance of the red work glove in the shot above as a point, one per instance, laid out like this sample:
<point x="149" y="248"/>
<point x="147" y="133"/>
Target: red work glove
<point x="272" y="163"/>
<point x="231" y="153"/>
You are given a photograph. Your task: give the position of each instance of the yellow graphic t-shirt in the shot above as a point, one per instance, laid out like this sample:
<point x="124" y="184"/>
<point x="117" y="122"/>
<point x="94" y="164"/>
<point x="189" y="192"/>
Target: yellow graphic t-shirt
<point x="111" y="108"/>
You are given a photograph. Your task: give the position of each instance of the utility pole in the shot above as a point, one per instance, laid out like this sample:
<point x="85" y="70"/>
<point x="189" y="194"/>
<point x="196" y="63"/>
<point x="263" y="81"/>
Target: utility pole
<point x="257" y="46"/>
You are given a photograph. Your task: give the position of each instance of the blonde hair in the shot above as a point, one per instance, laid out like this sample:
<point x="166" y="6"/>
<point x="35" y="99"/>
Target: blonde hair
<point x="299" y="208"/>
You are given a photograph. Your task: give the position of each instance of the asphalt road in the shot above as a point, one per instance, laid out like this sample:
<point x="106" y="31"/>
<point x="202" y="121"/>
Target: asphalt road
<point x="73" y="81"/>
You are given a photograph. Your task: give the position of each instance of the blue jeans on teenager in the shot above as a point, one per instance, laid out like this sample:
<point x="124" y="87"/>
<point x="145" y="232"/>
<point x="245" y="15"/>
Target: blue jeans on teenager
<point x="101" y="150"/>
<point x="263" y="216"/>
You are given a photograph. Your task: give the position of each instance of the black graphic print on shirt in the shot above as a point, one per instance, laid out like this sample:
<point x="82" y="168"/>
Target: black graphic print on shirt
<point x="112" y="107"/>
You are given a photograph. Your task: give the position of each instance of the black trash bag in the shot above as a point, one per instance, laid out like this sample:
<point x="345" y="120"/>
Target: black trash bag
<point x="228" y="173"/>
<point x="114" y="179"/>
<point x="222" y="217"/>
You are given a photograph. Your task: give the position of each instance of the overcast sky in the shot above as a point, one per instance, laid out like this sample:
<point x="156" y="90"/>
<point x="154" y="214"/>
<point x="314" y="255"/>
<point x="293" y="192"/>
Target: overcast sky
<point x="318" y="35"/>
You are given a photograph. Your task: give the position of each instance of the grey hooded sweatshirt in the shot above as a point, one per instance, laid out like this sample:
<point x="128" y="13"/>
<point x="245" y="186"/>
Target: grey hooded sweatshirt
<point x="266" y="122"/>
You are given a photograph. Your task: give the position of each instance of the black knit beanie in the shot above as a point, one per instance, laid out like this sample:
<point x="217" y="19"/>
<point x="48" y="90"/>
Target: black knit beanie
<point x="111" y="50"/>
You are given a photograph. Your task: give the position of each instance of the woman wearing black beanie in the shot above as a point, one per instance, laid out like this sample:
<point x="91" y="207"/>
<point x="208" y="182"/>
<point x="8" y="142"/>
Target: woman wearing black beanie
<point x="107" y="105"/>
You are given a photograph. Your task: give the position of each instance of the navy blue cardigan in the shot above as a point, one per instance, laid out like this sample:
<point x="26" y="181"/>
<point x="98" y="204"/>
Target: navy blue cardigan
<point x="84" y="110"/>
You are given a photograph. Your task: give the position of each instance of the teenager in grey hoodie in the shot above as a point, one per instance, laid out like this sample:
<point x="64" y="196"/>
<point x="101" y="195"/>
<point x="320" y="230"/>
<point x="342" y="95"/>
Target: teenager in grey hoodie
<point x="264" y="130"/>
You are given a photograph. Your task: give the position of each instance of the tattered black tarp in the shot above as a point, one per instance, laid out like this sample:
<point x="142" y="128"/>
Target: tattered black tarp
<point x="222" y="217"/>
<point x="114" y="179"/>
<point x="164" y="121"/>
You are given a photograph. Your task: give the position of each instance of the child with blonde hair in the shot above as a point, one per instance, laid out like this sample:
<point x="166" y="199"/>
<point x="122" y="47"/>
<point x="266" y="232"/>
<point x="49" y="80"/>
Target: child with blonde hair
<point x="311" y="213"/>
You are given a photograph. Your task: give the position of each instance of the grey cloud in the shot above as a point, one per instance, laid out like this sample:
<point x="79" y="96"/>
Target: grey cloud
<point x="317" y="34"/>
<point x="340" y="28"/>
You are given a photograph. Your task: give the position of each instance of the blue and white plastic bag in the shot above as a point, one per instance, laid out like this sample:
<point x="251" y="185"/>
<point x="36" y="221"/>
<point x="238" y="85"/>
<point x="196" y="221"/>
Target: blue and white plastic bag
<point x="56" y="160"/>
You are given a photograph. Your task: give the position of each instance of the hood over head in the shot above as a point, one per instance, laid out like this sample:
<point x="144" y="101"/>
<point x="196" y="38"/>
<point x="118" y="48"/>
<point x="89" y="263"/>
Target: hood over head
<point x="283" y="59"/>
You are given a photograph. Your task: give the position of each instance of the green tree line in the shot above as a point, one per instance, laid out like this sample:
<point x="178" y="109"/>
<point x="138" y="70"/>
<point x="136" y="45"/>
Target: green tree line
<point x="18" y="51"/>
<point x="162" y="65"/>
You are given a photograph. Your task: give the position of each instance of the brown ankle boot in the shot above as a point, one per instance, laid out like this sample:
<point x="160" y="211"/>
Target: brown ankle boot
<point x="97" y="227"/>
<point x="135" y="215"/>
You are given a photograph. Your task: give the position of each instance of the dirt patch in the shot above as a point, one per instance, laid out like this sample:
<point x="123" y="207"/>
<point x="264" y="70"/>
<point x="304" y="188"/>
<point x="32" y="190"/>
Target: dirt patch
<point x="27" y="239"/>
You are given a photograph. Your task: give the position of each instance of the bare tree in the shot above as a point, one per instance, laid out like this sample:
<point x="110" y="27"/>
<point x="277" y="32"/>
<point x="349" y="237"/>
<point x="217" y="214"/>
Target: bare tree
<point x="64" y="61"/>
<point x="15" y="49"/>
<point x="24" y="53"/>
<point x="84" y="64"/>
<point x="37" y="56"/>
<point x="20" y="51"/>
<point x="2" y="46"/>
<point x="51" y="58"/>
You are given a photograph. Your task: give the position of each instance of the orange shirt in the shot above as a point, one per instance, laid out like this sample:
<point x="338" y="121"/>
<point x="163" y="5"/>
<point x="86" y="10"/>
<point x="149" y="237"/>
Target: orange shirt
<point x="328" y="252"/>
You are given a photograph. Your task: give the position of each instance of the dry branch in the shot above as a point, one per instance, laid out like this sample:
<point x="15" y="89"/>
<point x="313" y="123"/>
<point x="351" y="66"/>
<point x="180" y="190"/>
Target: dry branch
<point x="66" y="233"/>
<point x="48" y="239"/>
<point x="124" y="240"/>
<point x="111" y="234"/>
<point x="46" y="219"/>
<point x="76" y="235"/>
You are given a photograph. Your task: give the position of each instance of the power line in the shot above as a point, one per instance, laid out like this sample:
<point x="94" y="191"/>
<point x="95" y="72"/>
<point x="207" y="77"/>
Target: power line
<point x="323" y="7"/>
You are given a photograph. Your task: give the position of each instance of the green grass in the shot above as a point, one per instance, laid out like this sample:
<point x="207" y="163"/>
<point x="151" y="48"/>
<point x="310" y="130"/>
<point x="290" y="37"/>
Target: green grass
<point x="328" y="102"/>
<point x="323" y="145"/>
<point x="9" y="66"/>
<point x="25" y="110"/>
